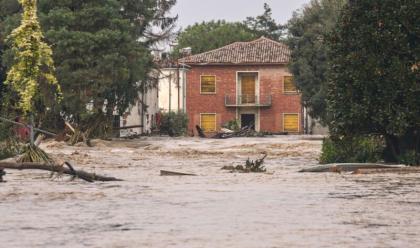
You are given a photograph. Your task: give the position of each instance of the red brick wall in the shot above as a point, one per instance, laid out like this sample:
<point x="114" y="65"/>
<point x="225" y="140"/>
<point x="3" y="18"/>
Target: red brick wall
<point x="271" y="83"/>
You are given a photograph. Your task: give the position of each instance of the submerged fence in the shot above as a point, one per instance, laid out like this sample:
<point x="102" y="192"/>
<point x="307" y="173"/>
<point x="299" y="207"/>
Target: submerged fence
<point x="32" y="129"/>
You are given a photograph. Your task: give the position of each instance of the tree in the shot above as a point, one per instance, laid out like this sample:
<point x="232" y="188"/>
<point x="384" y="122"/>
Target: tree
<point x="373" y="85"/>
<point x="32" y="72"/>
<point x="307" y="31"/>
<point x="206" y="36"/>
<point x="6" y="7"/>
<point x="102" y="50"/>
<point x="265" y="25"/>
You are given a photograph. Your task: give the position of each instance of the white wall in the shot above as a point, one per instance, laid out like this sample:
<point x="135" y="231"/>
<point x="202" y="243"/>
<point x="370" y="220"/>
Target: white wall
<point x="133" y="116"/>
<point x="313" y="126"/>
<point x="170" y="91"/>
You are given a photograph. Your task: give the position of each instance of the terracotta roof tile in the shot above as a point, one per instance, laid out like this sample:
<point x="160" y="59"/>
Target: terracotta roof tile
<point x="260" y="51"/>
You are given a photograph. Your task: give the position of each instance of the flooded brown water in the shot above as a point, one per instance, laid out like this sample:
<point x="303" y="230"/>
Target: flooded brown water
<point x="283" y="208"/>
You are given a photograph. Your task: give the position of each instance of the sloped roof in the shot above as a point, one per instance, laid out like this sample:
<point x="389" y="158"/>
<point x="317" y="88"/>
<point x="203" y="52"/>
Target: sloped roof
<point x="260" y="51"/>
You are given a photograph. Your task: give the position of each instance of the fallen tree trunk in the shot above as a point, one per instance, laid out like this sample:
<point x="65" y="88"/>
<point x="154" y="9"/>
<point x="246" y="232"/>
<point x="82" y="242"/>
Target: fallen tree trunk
<point x="69" y="170"/>
<point x="403" y="170"/>
<point x="174" y="173"/>
<point x="347" y="167"/>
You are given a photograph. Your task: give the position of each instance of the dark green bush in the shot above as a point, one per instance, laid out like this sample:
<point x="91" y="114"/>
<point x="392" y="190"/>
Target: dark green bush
<point x="352" y="150"/>
<point x="410" y="157"/>
<point x="174" y="124"/>
<point x="6" y="151"/>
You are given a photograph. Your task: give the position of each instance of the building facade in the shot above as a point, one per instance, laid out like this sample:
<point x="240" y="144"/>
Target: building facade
<point x="172" y="89"/>
<point x="245" y="81"/>
<point x="141" y="118"/>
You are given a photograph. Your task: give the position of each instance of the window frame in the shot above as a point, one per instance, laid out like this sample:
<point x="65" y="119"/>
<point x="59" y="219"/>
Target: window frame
<point x="215" y="85"/>
<point x="284" y="128"/>
<point x="215" y="121"/>
<point x="284" y="86"/>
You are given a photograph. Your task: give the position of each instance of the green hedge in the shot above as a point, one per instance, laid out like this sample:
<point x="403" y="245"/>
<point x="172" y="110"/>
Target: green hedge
<point x="174" y="124"/>
<point x="367" y="149"/>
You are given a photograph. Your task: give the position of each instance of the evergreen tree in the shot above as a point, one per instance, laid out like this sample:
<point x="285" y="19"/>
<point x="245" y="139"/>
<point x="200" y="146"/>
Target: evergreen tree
<point x="102" y="49"/>
<point x="374" y="82"/>
<point x="206" y="36"/>
<point x="265" y="25"/>
<point x="307" y="31"/>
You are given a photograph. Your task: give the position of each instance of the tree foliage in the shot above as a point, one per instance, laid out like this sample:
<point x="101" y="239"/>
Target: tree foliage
<point x="206" y="36"/>
<point x="265" y="25"/>
<point x="374" y="79"/>
<point x="102" y="48"/>
<point x="32" y="72"/>
<point x="307" y="31"/>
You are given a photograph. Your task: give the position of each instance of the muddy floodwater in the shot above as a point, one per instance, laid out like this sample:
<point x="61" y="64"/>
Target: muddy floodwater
<point x="281" y="208"/>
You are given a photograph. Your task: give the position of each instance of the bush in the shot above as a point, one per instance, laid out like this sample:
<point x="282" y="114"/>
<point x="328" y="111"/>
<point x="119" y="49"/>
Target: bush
<point x="410" y="157"/>
<point x="6" y="149"/>
<point x="174" y="124"/>
<point x="367" y="149"/>
<point x="232" y="125"/>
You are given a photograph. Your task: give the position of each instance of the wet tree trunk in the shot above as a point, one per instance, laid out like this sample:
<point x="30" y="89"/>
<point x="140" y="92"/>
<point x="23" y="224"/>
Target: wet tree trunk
<point x="66" y="168"/>
<point x="392" y="151"/>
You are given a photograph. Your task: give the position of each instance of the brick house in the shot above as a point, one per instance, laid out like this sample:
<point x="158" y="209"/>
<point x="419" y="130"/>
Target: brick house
<point x="246" y="81"/>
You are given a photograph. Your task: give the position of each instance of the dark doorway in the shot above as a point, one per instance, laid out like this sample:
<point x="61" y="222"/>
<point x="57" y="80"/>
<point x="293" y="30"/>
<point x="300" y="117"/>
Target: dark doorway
<point x="248" y="120"/>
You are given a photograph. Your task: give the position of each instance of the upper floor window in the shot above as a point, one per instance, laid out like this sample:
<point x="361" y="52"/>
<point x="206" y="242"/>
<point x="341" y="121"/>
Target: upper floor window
<point x="289" y="85"/>
<point x="208" y="85"/>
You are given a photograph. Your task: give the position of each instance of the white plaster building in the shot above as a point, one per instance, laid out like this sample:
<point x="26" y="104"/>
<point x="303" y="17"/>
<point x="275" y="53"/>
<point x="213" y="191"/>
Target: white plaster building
<point x="139" y="119"/>
<point x="172" y="86"/>
<point x="168" y="96"/>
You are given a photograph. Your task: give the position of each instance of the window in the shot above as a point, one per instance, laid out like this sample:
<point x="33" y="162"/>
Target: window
<point x="208" y="122"/>
<point x="208" y="84"/>
<point x="289" y="85"/>
<point x="291" y="123"/>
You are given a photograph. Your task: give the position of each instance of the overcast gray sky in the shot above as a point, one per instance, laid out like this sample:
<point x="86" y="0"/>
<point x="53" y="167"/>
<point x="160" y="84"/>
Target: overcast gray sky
<point x="191" y="11"/>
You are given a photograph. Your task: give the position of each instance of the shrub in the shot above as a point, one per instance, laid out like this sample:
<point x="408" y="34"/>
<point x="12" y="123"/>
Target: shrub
<point x="352" y="150"/>
<point x="174" y="124"/>
<point x="232" y="125"/>
<point x="7" y="149"/>
<point x="410" y="157"/>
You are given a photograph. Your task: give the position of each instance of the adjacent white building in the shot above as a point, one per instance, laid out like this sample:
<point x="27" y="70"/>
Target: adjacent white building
<point x="168" y="95"/>
<point x="172" y="89"/>
<point x="141" y="117"/>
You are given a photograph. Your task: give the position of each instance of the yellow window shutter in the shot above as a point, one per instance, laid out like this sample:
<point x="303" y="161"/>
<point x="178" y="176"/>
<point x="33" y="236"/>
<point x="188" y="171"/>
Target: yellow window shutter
<point x="291" y="123"/>
<point x="208" y="122"/>
<point x="289" y="84"/>
<point x="208" y="84"/>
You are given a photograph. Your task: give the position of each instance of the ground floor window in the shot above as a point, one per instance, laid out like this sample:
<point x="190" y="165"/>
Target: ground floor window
<point x="208" y="122"/>
<point x="291" y="123"/>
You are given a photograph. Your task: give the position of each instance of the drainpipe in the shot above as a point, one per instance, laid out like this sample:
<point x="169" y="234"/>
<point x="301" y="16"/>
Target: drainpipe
<point x="178" y="85"/>
<point x="142" y="108"/>
<point x="170" y="92"/>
